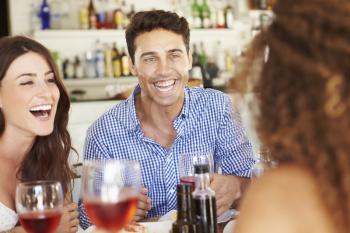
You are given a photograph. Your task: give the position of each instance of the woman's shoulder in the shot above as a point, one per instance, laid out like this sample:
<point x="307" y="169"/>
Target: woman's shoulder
<point x="8" y="218"/>
<point x="285" y="199"/>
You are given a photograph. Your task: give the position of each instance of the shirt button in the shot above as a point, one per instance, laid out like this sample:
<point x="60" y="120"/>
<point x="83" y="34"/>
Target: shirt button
<point x="168" y="159"/>
<point x="172" y="191"/>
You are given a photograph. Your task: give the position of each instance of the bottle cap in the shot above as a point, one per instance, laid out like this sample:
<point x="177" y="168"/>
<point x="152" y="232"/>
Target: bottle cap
<point x="201" y="168"/>
<point x="184" y="188"/>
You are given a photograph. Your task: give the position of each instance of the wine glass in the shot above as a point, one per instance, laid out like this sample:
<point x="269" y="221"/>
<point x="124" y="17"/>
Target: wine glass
<point x="262" y="163"/>
<point x="187" y="162"/>
<point x="110" y="190"/>
<point x="39" y="205"/>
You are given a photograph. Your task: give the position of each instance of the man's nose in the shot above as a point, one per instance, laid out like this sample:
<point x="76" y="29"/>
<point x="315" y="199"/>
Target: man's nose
<point x="163" y="67"/>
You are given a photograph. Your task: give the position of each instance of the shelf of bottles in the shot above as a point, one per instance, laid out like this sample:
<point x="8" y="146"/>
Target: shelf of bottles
<point x="88" y="40"/>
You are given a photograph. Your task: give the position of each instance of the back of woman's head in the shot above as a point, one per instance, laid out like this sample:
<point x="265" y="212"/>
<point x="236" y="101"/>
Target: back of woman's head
<point x="48" y="158"/>
<point x="303" y="94"/>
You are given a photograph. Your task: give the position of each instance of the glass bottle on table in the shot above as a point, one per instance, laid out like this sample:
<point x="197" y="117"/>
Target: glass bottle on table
<point x="204" y="200"/>
<point x="185" y="222"/>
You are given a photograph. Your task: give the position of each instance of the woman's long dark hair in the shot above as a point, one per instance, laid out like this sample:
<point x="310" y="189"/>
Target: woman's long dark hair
<point x="303" y="94"/>
<point x="48" y="157"/>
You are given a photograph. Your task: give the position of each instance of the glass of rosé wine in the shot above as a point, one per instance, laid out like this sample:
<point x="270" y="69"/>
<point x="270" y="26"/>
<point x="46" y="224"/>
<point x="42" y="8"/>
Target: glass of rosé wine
<point x="110" y="190"/>
<point x="187" y="162"/>
<point x="39" y="205"/>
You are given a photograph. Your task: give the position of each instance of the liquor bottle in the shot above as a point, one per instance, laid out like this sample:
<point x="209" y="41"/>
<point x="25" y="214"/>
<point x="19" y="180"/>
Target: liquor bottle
<point x="89" y="65"/>
<point x="204" y="200"/>
<point x="196" y="14"/>
<point x="45" y="15"/>
<point x="116" y="62"/>
<point x="99" y="60"/>
<point x="68" y="69"/>
<point x="185" y="222"/>
<point x="124" y="9"/>
<point x="92" y="15"/>
<point x="125" y="63"/>
<point x="101" y="14"/>
<point x="78" y="68"/>
<point x="205" y="15"/>
<point x="229" y="17"/>
<point x="196" y="71"/>
<point x="34" y="18"/>
<point x="131" y="12"/>
<point x="55" y="14"/>
<point x="56" y="57"/>
<point x="108" y="60"/>
<point x="213" y="13"/>
<point x="67" y="19"/>
<point x="84" y="18"/>
<point x="220" y="15"/>
<point x="119" y="18"/>
<point x="203" y="58"/>
<point x="219" y="55"/>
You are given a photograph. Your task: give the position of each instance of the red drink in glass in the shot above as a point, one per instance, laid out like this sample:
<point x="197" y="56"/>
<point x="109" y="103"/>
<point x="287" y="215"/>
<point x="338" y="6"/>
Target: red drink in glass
<point x="40" y="222"/>
<point x="189" y="180"/>
<point x="111" y="216"/>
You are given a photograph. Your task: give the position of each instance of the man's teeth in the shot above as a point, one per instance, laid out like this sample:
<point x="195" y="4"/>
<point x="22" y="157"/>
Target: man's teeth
<point x="165" y="83"/>
<point x="41" y="108"/>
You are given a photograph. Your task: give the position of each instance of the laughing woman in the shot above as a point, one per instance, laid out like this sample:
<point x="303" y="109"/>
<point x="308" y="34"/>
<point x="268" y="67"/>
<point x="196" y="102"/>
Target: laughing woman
<point x="34" y="141"/>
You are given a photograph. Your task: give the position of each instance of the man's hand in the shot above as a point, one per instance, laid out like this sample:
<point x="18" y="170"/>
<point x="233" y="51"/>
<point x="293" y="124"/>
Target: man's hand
<point x="69" y="221"/>
<point x="227" y="189"/>
<point x="143" y="206"/>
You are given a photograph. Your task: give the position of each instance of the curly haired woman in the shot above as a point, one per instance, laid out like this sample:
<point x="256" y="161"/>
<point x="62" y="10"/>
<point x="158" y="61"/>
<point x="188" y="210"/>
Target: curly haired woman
<point x="302" y="115"/>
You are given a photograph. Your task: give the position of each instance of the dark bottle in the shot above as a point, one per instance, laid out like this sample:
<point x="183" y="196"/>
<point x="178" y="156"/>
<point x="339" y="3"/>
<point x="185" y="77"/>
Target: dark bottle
<point x="45" y="15"/>
<point x="185" y="222"/>
<point x="92" y="15"/>
<point x="204" y="200"/>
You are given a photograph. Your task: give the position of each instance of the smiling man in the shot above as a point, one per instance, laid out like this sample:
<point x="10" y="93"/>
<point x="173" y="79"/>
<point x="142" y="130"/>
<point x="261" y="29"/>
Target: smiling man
<point x="163" y="118"/>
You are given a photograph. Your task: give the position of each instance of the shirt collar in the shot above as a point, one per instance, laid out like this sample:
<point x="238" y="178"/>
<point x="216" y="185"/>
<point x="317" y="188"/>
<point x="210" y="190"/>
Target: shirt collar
<point x="134" y="123"/>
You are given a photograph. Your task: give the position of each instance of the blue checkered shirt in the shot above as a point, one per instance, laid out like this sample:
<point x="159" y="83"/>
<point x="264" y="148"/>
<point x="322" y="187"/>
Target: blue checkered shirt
<point x="207" y="123"/>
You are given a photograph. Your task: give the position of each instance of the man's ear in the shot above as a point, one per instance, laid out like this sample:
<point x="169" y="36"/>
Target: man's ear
<point x="132" y="67"/>
<point x="190" y="59"/>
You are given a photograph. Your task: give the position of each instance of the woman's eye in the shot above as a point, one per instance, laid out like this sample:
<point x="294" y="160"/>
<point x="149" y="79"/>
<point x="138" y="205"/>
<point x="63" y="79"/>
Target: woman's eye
<point x="51" y="80"/>
<point x="26" y="83"/>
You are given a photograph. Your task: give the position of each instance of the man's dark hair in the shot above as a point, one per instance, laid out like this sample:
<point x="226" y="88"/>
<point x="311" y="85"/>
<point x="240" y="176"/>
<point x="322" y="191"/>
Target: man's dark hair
<point x="146" y="21"/>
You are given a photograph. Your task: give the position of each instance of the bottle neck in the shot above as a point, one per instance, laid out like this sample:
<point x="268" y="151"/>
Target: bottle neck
<point x="184" y="208"/>
<point x="202" y="181"/>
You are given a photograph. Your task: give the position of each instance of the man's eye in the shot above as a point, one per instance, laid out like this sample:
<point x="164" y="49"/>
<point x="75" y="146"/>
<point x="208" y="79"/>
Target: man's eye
<point x="26" y="83"/>
<point x="175" y="55"/>
<point x="150" y="59"/>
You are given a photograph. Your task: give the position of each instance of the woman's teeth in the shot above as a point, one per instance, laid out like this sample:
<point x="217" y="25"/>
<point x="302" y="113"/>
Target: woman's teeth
<point x="164" y="85"/>
<point x="41" y="108"/>
<point x="41" y="111"/>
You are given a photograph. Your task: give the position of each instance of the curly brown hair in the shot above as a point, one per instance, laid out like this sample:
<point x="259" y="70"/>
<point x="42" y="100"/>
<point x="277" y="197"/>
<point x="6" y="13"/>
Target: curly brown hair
<point x="303" y="94"/>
